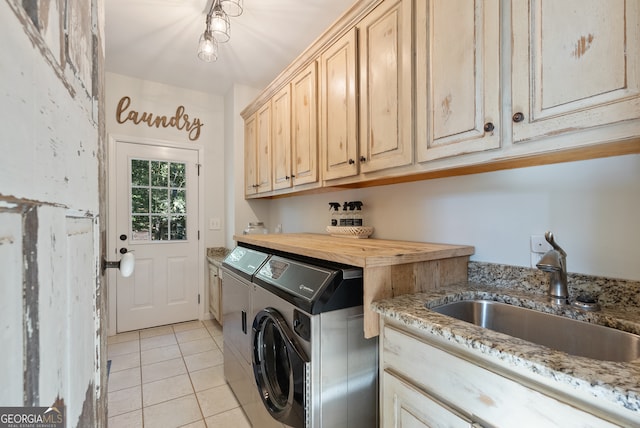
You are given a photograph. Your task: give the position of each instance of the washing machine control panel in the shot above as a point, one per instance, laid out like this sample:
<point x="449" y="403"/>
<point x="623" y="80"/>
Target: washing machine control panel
<point x="244" y="260"/>
<point x="300" y="279"/>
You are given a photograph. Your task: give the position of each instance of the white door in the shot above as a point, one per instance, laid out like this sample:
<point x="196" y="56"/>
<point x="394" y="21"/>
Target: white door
<point x="156" y="203"/>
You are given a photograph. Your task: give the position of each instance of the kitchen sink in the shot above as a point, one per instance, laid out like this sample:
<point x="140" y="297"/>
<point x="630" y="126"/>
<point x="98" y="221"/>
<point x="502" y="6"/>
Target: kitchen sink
<point x="562" y="334"/>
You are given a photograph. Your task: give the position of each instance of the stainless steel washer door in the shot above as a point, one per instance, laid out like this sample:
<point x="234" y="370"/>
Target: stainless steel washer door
<point x="279" y="368"/>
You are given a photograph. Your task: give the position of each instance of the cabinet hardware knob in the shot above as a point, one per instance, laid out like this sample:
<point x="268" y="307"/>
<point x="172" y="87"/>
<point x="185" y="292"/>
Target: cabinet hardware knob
<point x="518" y="117"/>
<point x="123" y="250"/>
<point x="123" y="237"/>
<point x="363" y="159"/>
<point x="286" y="177"/>
<point x="488" y="127"/>
<point x="351" y="161"/>
<point x="293" y="176"/>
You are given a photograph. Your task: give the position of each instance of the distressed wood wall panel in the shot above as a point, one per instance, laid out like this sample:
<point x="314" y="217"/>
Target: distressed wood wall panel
<point x="81" y="278"/>
<point x="10" y="312"/>
<point x="80" y="39"/>
<point x="54" y="306"/>
<point x="51" y="135"/>
<point x="51" y="25"/>
<point x="53" y="130"/>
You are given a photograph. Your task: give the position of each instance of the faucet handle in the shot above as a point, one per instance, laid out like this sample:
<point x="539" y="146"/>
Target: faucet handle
<point x="548" y="235"/>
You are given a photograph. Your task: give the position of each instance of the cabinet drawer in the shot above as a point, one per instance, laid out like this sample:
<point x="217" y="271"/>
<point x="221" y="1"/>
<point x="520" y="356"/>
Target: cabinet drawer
<point x="475" y="390"/>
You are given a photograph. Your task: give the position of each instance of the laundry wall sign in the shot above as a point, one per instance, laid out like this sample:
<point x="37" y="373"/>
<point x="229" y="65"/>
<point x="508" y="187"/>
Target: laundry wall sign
<point x="180" y="120"/>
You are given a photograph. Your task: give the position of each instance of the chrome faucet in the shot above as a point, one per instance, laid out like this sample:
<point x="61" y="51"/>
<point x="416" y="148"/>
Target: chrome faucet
<point x="555" y="263"/>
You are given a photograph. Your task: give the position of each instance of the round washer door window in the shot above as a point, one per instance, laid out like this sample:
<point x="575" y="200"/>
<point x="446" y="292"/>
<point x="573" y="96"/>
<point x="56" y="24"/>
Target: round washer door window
<point x="276" y="371"/>
<point x="279" y="368"/>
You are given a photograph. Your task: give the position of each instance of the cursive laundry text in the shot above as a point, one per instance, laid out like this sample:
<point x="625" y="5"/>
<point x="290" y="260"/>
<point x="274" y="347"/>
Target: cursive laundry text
<point x="179" y="121"/>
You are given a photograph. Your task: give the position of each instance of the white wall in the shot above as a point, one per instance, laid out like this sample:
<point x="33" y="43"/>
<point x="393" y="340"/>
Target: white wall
<point x="593" y="208"/>
<point x="161" y="99"/>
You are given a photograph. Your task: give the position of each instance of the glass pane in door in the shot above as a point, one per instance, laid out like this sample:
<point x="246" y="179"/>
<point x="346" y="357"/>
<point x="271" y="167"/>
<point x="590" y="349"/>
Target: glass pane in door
<point x="158" y="200"/>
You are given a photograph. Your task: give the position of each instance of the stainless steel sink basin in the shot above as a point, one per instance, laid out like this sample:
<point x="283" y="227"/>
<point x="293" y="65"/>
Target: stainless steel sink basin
<point x="563" y="334"/>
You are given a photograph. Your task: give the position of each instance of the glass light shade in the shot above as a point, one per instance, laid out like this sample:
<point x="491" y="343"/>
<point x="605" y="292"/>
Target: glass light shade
<point x="232" y="8"/>
<point x="207" y="48"/>
<point x="220" y="26"/>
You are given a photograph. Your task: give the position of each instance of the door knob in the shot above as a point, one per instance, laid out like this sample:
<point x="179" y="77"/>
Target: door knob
<point x="126" y="264"/>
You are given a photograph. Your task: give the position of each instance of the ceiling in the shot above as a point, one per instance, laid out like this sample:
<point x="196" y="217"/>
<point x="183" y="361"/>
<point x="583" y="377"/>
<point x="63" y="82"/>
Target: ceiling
<point x="157" y="40"/>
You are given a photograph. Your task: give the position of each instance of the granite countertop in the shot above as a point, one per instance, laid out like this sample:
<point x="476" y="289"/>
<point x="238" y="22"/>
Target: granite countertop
<point x="616" y="382"/>
<point x="216" y="255"/>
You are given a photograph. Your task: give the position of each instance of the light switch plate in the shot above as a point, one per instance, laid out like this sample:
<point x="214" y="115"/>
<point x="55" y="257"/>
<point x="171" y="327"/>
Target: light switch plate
<point x="214" y="223"/>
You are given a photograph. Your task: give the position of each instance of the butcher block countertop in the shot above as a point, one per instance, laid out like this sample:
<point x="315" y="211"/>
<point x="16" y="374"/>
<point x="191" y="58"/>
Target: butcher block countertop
<point x="390" y="268"/>
<point x="356" y="252"/>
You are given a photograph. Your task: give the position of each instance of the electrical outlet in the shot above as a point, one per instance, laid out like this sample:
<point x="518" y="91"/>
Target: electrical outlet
<point x="214" y="223"/>
<point x="539" y="244"/>
<point x="535" y="258"/>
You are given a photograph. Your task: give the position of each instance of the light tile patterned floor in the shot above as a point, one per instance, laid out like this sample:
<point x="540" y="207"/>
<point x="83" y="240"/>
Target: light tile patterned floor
<point x="171" y="376"/>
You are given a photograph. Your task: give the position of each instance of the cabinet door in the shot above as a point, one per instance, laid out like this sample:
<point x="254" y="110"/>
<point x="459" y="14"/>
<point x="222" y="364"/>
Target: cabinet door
<point x="250" y="152"/>
<point x="214" y="293"/>
<point x="263" y="154"/>
<point x="405" y="406"/>
<point x="281" y="138"/>
<point x="384" y="50"/>
<point x="575" y="65"/>
<point x="304" y="118"/>
<point x="338" y="114"/>
<point x="470" y="389"/>
<point x="457" y="77"/>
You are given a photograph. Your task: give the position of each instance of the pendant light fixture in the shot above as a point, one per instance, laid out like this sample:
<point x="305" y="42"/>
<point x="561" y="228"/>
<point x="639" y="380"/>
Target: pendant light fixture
<point x="220" y="26"/>
<point x="232" y="8"/>
<point x="208" y="46"/>
<point x="218" y="29"/>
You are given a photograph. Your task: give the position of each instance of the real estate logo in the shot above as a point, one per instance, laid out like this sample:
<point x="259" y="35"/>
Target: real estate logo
<point x="32" y="417"/>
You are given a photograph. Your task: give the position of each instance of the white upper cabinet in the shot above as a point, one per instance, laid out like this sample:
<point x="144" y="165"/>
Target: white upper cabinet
<point x="403" y="90"/>
<point x="250" y="155"/>
<point x="263" y="144"/>
<point x="366" y="94"/>
<point x="257" y="152"/>
<point x="575" y="65"/>
<point x="304" y="119"/>
<point x="281" y="138"/>
<point x="384" y="50"/>
<point x="338" y="108"/>
<point x="457" y="77"/>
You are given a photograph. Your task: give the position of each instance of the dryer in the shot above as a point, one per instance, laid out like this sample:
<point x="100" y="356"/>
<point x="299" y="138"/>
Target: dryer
<point x="312" y="366"/>
<point x="238" y="269"/>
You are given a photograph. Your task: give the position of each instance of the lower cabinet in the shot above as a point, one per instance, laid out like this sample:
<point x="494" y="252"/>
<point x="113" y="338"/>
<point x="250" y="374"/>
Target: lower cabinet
<point x="215" y="293"/>
<point x="407" y="406"/>
<point x="426" y="386"/>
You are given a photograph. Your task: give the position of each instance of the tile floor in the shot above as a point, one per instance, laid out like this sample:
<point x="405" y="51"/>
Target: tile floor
<point x="171" y="376"/>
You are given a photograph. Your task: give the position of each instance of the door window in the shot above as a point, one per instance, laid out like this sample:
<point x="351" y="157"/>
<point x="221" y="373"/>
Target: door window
<point x="158" y="200"/>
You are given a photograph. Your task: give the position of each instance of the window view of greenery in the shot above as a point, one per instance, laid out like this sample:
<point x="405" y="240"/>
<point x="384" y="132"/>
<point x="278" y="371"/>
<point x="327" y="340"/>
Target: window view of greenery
<point x="158" y="200"/>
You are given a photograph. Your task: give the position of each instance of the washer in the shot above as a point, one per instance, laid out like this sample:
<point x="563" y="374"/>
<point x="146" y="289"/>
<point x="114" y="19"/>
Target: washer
<point x="312" y="365"/>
